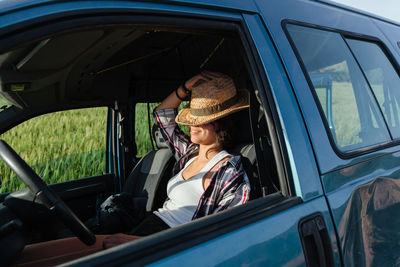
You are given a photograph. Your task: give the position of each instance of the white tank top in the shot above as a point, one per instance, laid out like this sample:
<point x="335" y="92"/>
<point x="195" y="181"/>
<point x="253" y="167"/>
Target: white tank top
<point x="184" y="195"/>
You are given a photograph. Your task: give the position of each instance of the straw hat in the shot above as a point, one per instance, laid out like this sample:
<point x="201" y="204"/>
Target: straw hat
<point x="212" y="100"/>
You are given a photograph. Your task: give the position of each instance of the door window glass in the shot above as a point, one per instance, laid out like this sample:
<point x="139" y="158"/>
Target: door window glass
<point x="383" y="79"/>
<point x="59" y="146"/>
<point x="348" y="105"/>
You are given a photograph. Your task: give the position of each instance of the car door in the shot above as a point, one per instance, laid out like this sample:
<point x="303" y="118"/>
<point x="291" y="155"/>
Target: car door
<point x="291" y="226"/>
<point x="355" y="134"/>
<point x="364" y="221"/>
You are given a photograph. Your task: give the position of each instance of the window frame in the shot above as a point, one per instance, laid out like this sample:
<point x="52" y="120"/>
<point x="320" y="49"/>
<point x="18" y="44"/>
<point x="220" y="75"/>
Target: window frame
<point x="235" y="218"/>
<point x="351" y="35"/>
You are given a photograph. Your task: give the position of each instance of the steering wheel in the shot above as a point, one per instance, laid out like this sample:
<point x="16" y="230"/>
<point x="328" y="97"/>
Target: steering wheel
<point x="45" y="194"/>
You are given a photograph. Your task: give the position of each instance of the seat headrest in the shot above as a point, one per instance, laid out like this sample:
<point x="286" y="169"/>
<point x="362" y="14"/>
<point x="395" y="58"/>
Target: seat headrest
<point x="246" y="150"/>
<point x="158" y="138"/>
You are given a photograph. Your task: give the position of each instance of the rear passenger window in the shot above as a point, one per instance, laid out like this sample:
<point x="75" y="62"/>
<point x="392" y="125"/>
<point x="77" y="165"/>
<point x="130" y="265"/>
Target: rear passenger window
<point x="345" y="98"/>
<point x="383" y="79"/>
<point x="144" y="113"/>
<point x="143" y="140"/>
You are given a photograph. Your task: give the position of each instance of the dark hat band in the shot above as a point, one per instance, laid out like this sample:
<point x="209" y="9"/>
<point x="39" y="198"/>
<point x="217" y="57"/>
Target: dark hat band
<point x="214" y="109"/>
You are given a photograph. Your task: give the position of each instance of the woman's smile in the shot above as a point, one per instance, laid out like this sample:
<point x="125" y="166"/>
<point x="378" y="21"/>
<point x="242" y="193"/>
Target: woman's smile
<point x="194" y="131"/>
<point x="203" y="134"/>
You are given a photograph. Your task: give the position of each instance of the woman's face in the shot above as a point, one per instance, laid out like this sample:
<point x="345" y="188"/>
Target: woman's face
<point x="203" y="134"/>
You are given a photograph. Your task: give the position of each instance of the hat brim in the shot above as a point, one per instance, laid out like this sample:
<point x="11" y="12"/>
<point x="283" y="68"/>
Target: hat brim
<point x="186" y="118"/>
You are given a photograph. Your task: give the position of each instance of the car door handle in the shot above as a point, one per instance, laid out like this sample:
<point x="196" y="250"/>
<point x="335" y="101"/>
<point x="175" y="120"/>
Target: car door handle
<point x="315" y="241"/>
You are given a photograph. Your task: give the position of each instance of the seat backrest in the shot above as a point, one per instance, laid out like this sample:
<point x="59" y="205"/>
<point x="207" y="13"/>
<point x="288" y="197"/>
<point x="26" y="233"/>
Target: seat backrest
<point x="150" y="175"/>
<point x="245" y="147"/>
<point x="249" y="161"/>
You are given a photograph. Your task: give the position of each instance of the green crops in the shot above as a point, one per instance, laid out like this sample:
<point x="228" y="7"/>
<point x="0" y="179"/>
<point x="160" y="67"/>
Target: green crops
<point x="67" y="145"/>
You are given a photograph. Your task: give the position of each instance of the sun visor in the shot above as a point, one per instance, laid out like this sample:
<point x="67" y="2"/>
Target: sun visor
<point x="18" y="86"/>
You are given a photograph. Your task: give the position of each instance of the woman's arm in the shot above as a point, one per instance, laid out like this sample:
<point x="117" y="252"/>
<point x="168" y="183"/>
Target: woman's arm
<point x="178" y="142"/>
<point x="172" y="101"/>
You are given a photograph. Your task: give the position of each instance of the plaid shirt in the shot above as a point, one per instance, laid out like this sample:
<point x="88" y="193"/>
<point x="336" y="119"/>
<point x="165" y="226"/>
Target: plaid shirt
<point x="229" y="185"/>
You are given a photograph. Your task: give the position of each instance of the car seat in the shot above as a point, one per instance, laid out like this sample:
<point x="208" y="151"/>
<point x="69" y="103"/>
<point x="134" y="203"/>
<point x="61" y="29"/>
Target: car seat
<point x="149" y="178"/>
<point x="245" y="147"/>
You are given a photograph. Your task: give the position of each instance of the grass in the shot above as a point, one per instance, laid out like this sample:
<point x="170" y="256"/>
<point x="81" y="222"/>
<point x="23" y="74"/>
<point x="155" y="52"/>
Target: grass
<point x="67" y="145"/>
<point x="347" y="127"/>
<point x="142" y="135"/>
<point x="59" y="146"/>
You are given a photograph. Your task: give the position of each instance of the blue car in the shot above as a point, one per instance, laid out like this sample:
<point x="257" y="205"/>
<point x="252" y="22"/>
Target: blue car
<point x="320" y="141"/>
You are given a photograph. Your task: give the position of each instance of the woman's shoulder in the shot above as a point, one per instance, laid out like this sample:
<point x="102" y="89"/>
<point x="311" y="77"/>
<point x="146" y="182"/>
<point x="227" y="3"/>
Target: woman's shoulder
<point x="235" y="161"/>
<point x="233" y="164"/>
<point x="232" y="172"/>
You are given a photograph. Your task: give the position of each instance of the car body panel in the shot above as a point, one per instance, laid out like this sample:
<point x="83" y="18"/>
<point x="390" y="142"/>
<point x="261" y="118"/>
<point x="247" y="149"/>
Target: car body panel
<point x="364" y="199"/>
<point x="257" y="244"/>
<point x="12" y="6"/>
<point x="49" y="9"/>
<point x="355" y="195"/>
<point x="346" y="181"/>
<point x="392" y="33"/>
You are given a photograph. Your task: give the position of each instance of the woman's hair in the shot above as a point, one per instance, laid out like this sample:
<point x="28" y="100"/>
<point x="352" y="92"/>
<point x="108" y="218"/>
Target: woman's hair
<point x="225" y="129"/>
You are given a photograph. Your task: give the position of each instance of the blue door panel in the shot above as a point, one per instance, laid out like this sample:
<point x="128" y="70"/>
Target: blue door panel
<point x="273" y="241"/>
<point x="363" y="192"/>
<point x="365" y="208"/>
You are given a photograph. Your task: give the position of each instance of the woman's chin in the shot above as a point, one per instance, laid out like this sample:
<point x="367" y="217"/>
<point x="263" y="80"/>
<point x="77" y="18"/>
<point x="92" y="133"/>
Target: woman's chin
<point x="194" y="140"/>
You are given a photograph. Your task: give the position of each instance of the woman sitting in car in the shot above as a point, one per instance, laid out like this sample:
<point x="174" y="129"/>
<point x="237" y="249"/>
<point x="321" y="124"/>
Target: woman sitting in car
<point x="206" y="178"/>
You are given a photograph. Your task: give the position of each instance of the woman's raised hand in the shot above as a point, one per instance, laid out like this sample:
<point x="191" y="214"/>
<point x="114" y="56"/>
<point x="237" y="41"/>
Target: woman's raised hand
<point x="204" y="75"/>
<point x="176" y="97"/>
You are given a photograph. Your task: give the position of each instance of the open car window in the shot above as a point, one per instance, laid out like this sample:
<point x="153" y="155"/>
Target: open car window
<point x="60" y="147"/>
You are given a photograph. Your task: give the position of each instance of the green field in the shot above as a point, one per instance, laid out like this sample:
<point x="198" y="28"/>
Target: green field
<point x="66" y="145"/>
<point x="59" y="146"/>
